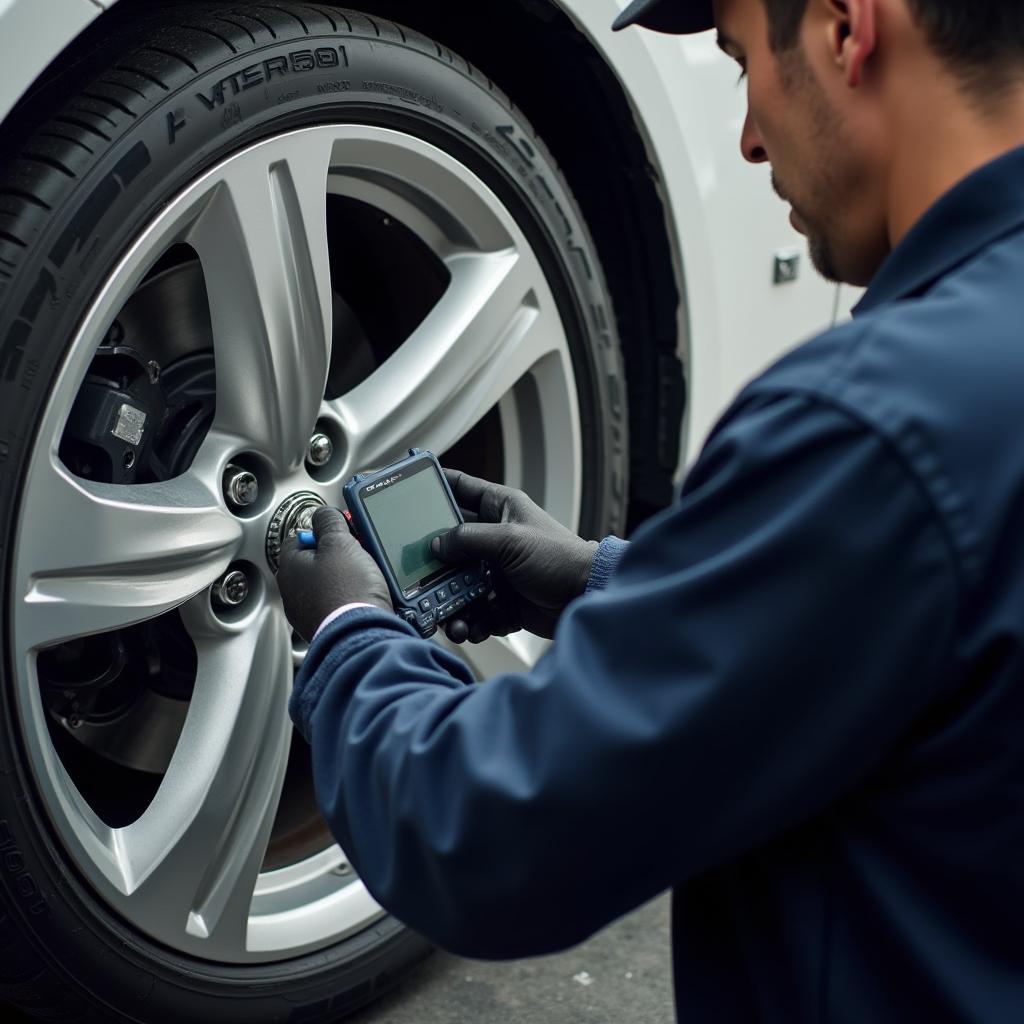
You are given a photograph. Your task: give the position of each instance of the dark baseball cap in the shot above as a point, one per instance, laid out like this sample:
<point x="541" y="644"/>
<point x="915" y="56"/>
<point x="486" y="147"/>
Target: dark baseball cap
<point x="678" y="17"/>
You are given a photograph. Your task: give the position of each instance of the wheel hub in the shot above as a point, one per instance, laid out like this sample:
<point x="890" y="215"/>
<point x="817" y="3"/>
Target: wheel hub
<point x="293" y="514"/>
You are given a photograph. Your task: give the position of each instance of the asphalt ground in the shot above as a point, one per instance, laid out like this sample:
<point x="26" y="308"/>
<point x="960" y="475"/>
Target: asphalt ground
<point x="620" y="976"/>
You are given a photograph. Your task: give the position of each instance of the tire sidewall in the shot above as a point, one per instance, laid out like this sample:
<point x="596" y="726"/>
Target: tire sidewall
<point x="203" y="118"/>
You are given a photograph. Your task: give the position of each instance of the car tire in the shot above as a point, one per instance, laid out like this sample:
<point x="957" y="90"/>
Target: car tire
<point x="158" y="97"/>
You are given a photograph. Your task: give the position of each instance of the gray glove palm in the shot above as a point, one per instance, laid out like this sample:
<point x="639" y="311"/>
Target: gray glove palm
<point x="538" y="565"/>
<point x="315" y="583"/>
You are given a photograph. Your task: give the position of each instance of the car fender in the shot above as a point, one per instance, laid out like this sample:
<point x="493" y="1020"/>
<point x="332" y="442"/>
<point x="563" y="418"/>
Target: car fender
<point x="32" y="41"/>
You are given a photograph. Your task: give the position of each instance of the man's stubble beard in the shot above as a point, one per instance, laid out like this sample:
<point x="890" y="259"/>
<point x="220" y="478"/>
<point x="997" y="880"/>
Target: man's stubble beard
<point x="830" y="174"/>
<point x="817" y="241"/>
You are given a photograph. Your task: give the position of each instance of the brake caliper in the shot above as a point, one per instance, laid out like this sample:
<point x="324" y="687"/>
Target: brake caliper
<point x="116" y="417"/>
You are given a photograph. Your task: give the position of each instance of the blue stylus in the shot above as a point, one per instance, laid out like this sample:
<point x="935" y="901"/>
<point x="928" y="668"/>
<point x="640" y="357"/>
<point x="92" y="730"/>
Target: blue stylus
<point x="307" y="539"/>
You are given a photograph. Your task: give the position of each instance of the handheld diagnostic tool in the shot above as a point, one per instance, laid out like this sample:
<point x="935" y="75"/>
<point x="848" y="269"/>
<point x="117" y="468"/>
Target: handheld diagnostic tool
<point x="396" y="513"/>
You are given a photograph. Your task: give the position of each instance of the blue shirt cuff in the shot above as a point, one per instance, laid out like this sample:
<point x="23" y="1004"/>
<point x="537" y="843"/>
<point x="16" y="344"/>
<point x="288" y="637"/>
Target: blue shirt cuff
<point x="336" y="641"/>
<point x="606" y="560"/>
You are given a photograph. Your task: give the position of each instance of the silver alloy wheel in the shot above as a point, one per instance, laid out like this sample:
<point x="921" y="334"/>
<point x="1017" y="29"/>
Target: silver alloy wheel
<point x="93" y="557"/>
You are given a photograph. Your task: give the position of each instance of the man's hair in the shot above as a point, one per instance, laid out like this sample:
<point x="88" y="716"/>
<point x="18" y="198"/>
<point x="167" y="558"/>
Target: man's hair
<point x="981" y="40"/>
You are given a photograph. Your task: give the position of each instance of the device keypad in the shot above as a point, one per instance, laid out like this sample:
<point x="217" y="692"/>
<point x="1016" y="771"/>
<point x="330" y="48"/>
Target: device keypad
<point x="454" y="595"/>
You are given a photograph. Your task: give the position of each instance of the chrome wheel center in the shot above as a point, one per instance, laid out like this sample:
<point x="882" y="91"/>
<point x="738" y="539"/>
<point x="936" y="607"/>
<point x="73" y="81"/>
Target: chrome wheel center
<point x="293" y="514"/>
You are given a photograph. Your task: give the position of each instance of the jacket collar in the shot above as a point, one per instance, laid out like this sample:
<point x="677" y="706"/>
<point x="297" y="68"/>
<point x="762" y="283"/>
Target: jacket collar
<point x="976" y="212"/>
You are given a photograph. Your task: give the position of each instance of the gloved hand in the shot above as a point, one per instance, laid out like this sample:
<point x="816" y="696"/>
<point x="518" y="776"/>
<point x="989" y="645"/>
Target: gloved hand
<point x="316" y="582"/>
<point x="538" y="565"/>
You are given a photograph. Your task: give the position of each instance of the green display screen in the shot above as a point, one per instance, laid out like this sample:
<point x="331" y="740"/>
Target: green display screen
<point x="407" y="516"/>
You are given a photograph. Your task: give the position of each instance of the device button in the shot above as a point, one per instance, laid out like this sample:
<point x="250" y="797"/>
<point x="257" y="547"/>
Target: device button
<point x="454" y="587"/>
<point x="426" y="604"/>
<point x="443" y="613"/>
<point x="409" y="616"/>
<point x="441" y="595"/>
<point x="426" y="621"/>
<point x="468" y="579"/>
<point x="459" y="602"/>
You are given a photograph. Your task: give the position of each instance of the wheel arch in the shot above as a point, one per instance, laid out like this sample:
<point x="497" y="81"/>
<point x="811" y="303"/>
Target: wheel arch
<point x="604" y="150"/>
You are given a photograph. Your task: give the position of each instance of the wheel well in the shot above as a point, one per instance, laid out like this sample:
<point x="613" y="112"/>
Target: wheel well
<point x="579" y="108"/>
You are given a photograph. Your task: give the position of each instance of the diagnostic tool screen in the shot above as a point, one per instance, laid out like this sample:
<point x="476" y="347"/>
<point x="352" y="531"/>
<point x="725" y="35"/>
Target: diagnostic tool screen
<point x="407" y="516"/>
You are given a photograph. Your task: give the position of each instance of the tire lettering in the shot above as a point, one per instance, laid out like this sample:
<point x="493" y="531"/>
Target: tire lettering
<point x="294" y="63"/>
<point x="13" y="350"/>
<point x="491" y="141"/>
<point x="14" y="864"/>
<point x="44" y="288"/>
<point x="544" y="184"/>
<point x="275" y="66"/>
<point x="252" y="76"/>
<point x="175" y="122"/>
<point x="565" y="220"/>
<point x="325" y="87"/>
<point x="232" y="116"/>
<point x="580" y="254"/>
<point x="521" y="146"/>
<point x="215" y="99"/>
<point x="402" y="93"/>
<point x="31" y="369"/>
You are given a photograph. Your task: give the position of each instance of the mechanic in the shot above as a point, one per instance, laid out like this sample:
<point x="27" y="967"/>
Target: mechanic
<point x="797" y="697"/>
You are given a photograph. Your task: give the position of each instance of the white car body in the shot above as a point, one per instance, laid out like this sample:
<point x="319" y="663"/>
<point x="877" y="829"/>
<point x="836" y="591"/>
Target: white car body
<point x="726" y="224"/>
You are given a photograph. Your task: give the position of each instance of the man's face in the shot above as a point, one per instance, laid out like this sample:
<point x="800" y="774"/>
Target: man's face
<point x="797" y="122"/>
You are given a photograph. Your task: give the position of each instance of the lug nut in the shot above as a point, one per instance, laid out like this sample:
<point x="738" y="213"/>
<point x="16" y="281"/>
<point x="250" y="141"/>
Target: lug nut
<point x="241" y="487"/>
<point x="321" y="448"/>
<point x="231" y="589"/>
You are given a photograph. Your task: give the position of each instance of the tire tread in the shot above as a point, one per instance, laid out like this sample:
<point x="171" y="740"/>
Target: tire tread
<point x="207" y="31"/>
<point x="49" y="161"/>
<point x="160" y="51"/>
<point x="111" y="102"/>
<point x="244" y="28"/>
<point x="26" y="197"/>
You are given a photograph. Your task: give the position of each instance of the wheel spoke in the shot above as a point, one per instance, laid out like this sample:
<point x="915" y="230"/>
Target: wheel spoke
<point x="193" y="858"/>
<point x="262" y="240"/>
<point x="490" y="328"/>
<point x="516" y="653"/>
<point x="101" y="556"/>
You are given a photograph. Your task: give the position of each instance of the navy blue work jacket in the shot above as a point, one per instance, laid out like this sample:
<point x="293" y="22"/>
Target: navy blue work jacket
<point x="798" y="702"/>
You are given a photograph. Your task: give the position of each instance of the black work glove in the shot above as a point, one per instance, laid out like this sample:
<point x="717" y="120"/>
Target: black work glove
<point x="538" y="565"/>
<point x="316" y="582"/>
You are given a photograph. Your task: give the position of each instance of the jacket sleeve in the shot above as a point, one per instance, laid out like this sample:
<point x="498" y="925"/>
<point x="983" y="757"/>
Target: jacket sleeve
<point x="760" y="647"/>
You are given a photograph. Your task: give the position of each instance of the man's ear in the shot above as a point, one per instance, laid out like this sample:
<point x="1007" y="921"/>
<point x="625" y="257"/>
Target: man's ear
<point x="852" y="36"/>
